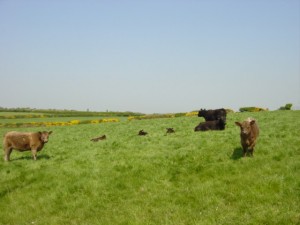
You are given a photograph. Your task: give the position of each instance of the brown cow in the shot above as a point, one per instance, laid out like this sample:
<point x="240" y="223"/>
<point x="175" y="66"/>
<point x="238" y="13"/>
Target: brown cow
<point x="170" y="130"/>
<point x="103" y="137"/>
<point x="249" y="134"/>
<point x="21" y="141"/>
<point x="142" y="133"/>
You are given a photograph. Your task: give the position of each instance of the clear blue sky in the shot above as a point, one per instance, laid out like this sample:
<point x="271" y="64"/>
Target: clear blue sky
<point x="155" y="56"/>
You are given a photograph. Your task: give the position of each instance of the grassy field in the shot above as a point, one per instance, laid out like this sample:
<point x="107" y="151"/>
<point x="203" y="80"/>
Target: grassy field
<point x="183" y="178"/>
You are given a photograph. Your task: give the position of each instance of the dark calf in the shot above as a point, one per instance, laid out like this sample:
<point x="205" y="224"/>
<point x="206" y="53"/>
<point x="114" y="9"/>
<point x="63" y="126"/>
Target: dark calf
<point x="103" y="137"/>
<point x="170" y="130"/>
<point x="142" y="133"/>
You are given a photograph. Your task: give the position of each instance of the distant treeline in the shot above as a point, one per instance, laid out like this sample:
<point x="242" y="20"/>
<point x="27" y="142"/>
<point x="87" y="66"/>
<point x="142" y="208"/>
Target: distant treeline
<point x="252" y="109"/>
<point x="288" y="106"/>
<point x="65" y="113"/>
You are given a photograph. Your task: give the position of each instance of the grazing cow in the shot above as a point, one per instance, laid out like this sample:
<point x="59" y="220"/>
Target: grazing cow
<point x="211" y="115"/>
<point x="249" y="134"/>
<point x="24" y="142"/>
<point x="103" y="137"/>
<point x="211" y="125"/>
<point x="142" y="133"/>
<point x="170" y="130"/>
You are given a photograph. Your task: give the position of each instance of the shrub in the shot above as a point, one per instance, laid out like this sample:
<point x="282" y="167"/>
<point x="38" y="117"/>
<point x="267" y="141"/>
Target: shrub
<point x="74" y="122"/>
<point x="59" y="123"/>
<point x="194" y="113"/>
<point x="151" y="116"/>
<point x="229" y="110"/>
<point x="287" y="106"/>
<point x="180" y="114"/>
<point x="252" y="109"/>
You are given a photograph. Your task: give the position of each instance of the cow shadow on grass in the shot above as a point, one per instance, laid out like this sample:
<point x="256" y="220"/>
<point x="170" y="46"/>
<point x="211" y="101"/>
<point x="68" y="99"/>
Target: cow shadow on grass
<point x="39" y="157"/>
<point x="237" y="153"/>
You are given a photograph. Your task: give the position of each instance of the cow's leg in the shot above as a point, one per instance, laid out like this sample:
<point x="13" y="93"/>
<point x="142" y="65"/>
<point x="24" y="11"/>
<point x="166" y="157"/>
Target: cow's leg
<point x="251" y="148"/>
<point x="33" y="152"/>
<point x="7" y="152"/>
<point x="244" y="150"/>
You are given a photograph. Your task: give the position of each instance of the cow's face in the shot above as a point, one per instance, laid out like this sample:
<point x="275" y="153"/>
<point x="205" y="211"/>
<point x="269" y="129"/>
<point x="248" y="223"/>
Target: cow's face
<point x="201" y="113"/>
<point x="45" y="136"/>
<point x="245" y="126"/>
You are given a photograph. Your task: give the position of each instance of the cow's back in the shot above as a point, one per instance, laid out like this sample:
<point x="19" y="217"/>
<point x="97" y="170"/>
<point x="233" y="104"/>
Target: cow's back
<point x="18" y="140"/>
<point x="255" y="130"/>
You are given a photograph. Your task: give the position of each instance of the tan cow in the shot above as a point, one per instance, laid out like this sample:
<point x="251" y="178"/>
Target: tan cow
<point x="21" y="141"/>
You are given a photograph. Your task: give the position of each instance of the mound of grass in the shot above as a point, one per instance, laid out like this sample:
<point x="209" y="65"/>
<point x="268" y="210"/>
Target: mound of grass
<point x="182" y="178"/>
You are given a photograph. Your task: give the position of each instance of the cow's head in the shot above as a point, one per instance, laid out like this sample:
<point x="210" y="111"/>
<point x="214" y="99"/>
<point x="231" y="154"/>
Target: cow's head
<point x="245" y="126"/>
<point x="202" y="113"/>
<point x="44" y="136"/>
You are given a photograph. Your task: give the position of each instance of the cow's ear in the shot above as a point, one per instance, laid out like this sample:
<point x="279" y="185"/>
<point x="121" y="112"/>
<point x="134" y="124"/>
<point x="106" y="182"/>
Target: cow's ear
<point x="252" y="122"/>
<point x="50" y="132"/>
<point x="238" y="124"/>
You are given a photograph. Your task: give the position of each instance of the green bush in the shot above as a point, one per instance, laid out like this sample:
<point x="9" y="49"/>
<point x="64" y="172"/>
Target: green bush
<point x="179" y="114"/>
<point x="252" y="109"/>
<point x="287" y="106"/>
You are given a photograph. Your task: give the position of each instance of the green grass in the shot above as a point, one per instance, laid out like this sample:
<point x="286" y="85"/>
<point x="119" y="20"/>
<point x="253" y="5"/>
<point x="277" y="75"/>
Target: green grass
<point x="183" y="178"/>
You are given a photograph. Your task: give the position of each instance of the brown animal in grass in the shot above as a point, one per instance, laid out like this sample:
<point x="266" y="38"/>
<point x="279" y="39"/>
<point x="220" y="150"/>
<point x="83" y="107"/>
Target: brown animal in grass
<point x="170" y="130"/>
<point x="103" y="137"/>
<point x="142" y="133"/>
<point x="21" y="141"/>
<point x="249" y="134"/>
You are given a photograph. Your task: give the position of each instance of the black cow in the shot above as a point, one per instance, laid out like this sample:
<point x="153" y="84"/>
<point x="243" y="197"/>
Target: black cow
<point x="170" y="130"/>
<point x="211" y="115"/>
<point x="142" y="133"/>
<point x="211" y="125"/>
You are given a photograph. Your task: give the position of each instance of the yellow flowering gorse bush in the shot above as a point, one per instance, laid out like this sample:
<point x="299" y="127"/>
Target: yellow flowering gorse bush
<point x="191" y="113"/>
<point x="69" y="123"/>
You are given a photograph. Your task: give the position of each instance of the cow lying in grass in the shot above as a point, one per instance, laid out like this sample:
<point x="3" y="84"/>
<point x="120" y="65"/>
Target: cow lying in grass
<point x="142" y="133"/>
<point x="249" y="134"/>
<point x="103" y="137"/>
<point x="170" y="130"/>
<point x="24" y="142"/>
<point x="211" y="125"/>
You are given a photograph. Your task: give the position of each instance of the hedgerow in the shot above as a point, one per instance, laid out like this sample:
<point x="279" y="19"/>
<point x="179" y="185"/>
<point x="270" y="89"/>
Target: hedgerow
<point x="50" y="124"/>
<point x="252" y="109"/>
